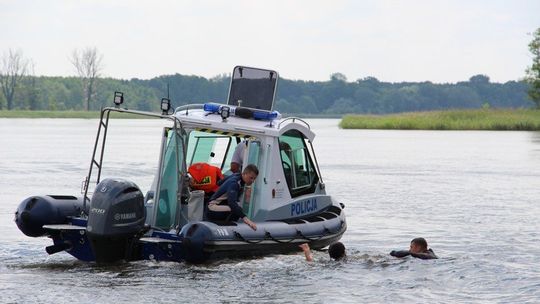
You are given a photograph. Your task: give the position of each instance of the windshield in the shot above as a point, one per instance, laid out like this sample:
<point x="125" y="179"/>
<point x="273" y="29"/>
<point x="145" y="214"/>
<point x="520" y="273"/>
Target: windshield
<point x="216" y="150"/>
<point x="170" y="184"/>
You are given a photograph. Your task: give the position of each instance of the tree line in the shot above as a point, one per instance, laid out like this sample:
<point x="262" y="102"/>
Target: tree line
<point x="333" y="97"/>
<point x="88" y="91"/>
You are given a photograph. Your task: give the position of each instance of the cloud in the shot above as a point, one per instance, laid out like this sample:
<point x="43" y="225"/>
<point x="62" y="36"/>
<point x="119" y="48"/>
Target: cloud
<point x="441" y="41"/>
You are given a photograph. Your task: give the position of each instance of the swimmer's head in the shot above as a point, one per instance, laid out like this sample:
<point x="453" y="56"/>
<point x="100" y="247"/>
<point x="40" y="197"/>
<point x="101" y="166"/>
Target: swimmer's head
<point x="337" y="251"/>
<point x="418" y="245"/>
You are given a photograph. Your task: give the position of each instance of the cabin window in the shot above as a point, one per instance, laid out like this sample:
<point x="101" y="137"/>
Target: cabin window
<point x="297" y="164"/>
<point x="213" y="149"/>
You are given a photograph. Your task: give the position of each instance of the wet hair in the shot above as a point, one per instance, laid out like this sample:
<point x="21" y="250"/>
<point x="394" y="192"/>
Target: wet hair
<point x="420" y="242"/>
<point x="251" y="168"/>
<point x="336" y="251"/>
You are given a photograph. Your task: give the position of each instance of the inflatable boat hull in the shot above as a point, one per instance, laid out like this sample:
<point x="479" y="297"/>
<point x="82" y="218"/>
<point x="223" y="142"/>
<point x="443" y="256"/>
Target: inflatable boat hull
<point x="202" y="241"/>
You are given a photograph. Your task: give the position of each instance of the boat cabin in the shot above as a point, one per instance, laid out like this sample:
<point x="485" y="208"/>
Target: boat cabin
<point x="289" y="183"/>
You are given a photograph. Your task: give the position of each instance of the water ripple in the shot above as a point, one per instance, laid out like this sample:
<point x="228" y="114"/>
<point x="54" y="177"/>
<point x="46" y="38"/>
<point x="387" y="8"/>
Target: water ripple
<point x="475" y="201"/>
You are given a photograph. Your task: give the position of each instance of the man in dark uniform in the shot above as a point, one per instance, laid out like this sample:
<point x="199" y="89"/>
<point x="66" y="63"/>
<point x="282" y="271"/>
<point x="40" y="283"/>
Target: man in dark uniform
<point x="224" y="204"/>
<point x="418" y="249"/>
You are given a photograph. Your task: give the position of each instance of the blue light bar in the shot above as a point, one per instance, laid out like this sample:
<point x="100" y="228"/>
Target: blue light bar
<point x="211" y="107"/>
<point x="251" y="113"/>
<point x="265" y="115"/>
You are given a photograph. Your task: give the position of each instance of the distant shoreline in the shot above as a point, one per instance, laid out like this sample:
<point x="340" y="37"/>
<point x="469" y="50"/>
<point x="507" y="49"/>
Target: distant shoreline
<point x="477" y="119"/>
<point x="96" y="114"/>
<point x="62" y="114"/>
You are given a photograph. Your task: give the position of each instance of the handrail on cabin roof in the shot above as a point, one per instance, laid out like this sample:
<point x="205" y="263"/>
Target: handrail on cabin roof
<point x="293" y="119"/>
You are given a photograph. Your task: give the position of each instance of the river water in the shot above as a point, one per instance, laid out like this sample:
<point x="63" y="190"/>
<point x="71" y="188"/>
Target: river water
<point x="475" y="197"/>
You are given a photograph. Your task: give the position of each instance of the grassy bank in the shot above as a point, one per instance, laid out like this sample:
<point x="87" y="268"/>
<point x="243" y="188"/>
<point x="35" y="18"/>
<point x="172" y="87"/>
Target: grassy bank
<point x="62" y="114"/>
<point x="482" y="119"/>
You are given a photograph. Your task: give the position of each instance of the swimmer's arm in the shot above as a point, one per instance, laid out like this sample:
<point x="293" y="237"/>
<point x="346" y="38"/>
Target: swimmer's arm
<point x="425" y="256"/>
<point x="307" y="252"/>
<point x="400" y="253"/>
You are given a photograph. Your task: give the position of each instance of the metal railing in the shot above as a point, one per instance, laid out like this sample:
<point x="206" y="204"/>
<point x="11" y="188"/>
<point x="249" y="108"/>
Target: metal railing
<point x="97" y="160"/>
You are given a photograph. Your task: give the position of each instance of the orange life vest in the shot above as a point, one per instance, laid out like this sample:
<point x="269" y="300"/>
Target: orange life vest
<point x="205" y="177"/>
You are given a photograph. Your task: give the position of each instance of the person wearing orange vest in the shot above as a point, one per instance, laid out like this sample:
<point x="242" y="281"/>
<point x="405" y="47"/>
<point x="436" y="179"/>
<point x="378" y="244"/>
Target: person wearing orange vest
<point x="205" y="177"/>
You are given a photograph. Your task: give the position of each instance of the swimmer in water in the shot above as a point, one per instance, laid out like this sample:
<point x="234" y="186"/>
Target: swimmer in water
<point x="336" y="251"/>
<point x="418" y="249"/>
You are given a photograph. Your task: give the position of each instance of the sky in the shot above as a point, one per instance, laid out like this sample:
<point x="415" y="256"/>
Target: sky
<point x="394" y="41"/>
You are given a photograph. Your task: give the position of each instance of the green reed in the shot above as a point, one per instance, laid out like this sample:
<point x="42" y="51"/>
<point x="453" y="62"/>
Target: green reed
<point x="481" y="119"/>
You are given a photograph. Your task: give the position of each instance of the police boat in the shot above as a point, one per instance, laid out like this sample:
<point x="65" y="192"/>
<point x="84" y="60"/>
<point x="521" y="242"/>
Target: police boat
<point x="114" y="221"/>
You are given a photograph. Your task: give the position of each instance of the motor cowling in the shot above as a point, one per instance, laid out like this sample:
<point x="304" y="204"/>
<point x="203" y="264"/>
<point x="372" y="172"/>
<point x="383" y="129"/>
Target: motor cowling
<point x="36" y="211"/>
<point x="115" y="219"/>
<point x="194" y="238"/>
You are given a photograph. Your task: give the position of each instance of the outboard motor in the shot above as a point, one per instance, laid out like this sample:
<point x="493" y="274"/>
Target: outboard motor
<point x="115" y="220"/>
<point x="36" y="211"/>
